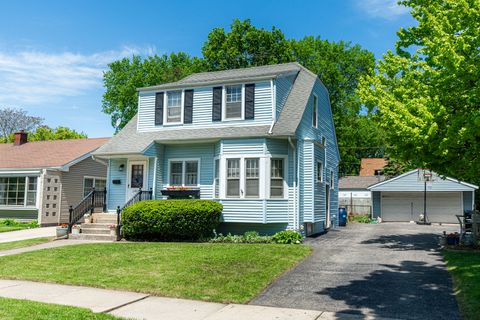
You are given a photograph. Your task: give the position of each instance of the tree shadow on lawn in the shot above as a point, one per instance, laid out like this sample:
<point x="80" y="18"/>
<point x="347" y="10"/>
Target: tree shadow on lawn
<point x="411" y="290"/>
<point x="417" y="241"/>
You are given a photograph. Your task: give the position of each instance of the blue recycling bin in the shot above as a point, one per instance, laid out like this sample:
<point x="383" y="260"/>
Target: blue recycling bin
<point x="342" y="217"/>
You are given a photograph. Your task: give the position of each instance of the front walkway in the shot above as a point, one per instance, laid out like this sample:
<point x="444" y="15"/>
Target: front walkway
<point x="142" y="306"/>
<point x="26" y="234"/>
<point x="392" y="270"/>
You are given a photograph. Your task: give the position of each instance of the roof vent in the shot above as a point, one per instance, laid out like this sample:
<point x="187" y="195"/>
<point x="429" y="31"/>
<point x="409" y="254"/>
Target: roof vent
<point x="20" y="138"/>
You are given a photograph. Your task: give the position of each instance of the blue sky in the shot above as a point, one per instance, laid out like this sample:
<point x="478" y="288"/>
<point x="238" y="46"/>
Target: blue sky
<point x="53" y="53"/>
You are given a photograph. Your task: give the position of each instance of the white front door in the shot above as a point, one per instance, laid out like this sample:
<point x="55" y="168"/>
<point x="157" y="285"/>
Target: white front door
<point x="136" y="177"/>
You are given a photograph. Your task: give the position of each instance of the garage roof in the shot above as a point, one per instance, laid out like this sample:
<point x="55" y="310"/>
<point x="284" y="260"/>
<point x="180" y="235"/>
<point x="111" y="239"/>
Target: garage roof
<point x="409" y="182"/>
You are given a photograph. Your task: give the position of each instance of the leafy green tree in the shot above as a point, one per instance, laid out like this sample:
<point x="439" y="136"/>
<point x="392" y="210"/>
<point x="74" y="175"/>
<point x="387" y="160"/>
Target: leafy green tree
<point x="126" y="75"/>
<point x="338" y="64"/>
<point x="245" y="46"/>
<point x="44" y="133"/>
<point x="428" y="92"/>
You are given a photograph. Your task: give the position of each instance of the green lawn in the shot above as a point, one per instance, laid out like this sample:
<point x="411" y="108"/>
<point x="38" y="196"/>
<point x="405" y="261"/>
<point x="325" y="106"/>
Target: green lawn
<point x="22" y="243"/>
<point x="202" y="271"/>
<point x="12" y="309"/>
<point x="465" y="268"/>
<point x="7" y="225"/>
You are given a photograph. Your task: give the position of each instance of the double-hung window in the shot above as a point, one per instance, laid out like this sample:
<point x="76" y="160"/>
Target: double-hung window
<point x="174" y="107"/>
<point x="91" y="182"/>
<point x="18" y="191"/>
<point x="233" y="178"/>
<point x="233" y="102"/>
<point x="276" y="178"/>
<point x="252" y="178"/>
<point x="315" y="112"/>
<point x="184" y="173"/>
<point x="332" y="179"/>
<point x="319" y="171"/>
<point x="217" y="178"/>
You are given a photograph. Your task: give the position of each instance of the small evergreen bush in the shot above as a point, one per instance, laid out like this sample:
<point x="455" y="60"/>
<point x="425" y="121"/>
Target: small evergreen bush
<point x="171" y="220"/>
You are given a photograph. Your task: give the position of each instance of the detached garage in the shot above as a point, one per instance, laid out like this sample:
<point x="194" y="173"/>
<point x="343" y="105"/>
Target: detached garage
<point x="402" y="198"/>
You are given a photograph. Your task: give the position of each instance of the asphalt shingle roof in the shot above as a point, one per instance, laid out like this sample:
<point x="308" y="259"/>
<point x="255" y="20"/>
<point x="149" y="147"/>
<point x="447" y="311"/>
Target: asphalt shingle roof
<point x="46" y="154"/>
<point x="358" y="182"/>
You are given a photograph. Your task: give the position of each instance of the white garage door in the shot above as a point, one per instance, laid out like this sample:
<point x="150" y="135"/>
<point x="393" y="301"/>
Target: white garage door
<point x="407" y="206"/>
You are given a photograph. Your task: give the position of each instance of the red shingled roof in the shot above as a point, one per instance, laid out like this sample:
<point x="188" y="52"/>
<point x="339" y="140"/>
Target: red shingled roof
<point x="45" y="154"/>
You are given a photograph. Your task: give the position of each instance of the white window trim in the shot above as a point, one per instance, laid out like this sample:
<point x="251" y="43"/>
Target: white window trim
<point x="224" y="102"/>
<point x="183" y="160"/>
<point x="322" y="179"/>
<point x="315" y="110"/>
<point x="242" y="157"/>
<point x="165" y="109"/>
<point x="285" y="176"/>
<point x="24" y="206"/>
<point x="219" y="177"/>
<point x="332" y="181"/>
<point x="94" y="181"/>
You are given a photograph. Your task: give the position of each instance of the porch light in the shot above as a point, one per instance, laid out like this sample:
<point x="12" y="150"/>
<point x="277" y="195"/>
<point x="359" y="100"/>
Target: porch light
<point x="121" y="167"/>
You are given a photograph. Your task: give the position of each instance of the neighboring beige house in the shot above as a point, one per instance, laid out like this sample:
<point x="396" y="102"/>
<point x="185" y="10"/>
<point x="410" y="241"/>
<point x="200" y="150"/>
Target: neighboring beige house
<point x="40" y="180"/>
<point x="372" y="167"/>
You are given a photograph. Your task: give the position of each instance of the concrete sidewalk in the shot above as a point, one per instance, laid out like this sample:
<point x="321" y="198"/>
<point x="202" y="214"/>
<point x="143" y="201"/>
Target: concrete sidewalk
<point x="142" y="306"/>
<point x="25" y="234"/>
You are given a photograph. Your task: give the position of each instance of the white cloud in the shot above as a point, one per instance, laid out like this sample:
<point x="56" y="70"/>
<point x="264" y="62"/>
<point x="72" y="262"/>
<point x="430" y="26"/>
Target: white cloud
<point x="386" y="9"/>
<point x="33" y="77"/>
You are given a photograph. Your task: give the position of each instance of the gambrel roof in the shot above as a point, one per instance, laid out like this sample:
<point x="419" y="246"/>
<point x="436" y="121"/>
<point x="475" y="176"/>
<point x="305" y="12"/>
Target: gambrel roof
<point x="130" y="141"/>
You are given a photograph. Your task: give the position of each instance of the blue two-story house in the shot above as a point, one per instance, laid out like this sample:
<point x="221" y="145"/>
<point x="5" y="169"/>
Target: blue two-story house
<point x="259" y="140"/>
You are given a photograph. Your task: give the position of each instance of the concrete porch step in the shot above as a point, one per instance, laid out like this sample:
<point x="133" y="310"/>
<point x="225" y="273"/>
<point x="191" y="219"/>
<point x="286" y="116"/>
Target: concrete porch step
<point x="101" y="237"/>
<point x="96" y="231"/>
<point x="96" y="225"/>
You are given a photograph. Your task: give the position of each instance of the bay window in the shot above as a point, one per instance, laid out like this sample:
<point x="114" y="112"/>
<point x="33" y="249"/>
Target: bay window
<point x="233" y="102"/>
<point x="174" y="107"/>
<point x="18" y="191"/>
<point x="276" y="178"/>
<point x="252" y="178"/>
<point x="233" y="178"/>
<point x="217" y="178"/>
<point x="183" y="173"/>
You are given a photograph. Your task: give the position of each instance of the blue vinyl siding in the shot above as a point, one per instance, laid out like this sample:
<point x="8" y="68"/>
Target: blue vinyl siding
<point x="241" y="228"/>
<point x="116" y="192"/>
<point x="202" y="110"/>
<point x="311" y="196"/>
<point x="319" y="208"/>
<point x="205" y="152"/>
<point x="410" y="182"/>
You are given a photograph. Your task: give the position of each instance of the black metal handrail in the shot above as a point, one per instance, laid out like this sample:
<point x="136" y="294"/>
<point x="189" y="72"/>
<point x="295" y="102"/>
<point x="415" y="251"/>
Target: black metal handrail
<point x="141" y="195"/>
<point x="94" y="199"/>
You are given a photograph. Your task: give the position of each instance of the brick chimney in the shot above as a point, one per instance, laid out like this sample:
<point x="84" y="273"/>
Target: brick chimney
<point x="20" y="138"/>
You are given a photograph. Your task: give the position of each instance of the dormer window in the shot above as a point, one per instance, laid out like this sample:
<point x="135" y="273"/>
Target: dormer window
<point x="174" y="107"/>
<point x="233" y="102"/>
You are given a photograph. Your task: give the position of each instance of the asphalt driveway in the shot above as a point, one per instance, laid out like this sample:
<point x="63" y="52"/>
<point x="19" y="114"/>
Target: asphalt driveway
<point x="387" y="270"/>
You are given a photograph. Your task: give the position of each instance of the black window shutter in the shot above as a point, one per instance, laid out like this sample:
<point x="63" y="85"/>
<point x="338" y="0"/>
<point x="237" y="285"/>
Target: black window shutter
<point x="217" y="104"/>
<point x="188" y="106"/>
<point x="250" y="101"/>
<point x="159" y="108"/>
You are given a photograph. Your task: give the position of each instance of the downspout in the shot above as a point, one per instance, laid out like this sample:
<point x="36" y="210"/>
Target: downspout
<point x="295" y="202"/>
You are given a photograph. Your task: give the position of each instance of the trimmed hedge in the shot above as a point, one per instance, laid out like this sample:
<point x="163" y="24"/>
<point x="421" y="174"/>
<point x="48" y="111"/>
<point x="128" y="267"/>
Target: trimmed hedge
<point x="171" y="220"/>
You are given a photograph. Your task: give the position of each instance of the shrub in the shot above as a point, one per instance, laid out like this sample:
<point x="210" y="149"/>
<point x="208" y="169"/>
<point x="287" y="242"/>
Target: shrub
<point x="362" y="218"/>
<point x="287" y="237"/>
<point x="247" y="237"/>
<point x="168" y="220"/>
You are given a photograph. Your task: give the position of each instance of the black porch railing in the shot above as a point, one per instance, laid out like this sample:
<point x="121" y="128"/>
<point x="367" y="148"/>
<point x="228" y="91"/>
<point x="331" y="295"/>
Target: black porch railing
<point x="141" y="195"/>
<point x="94" y="199"/>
